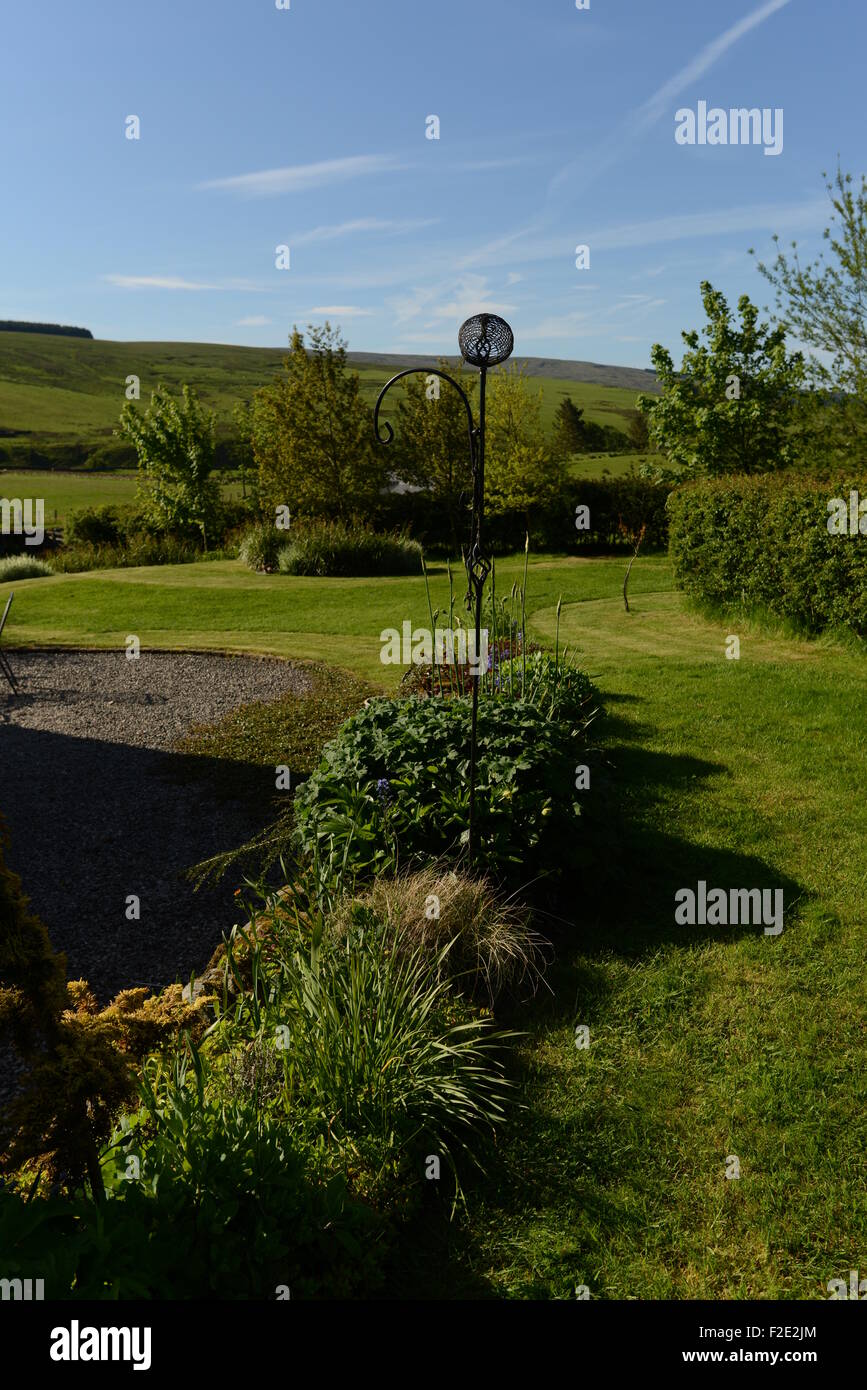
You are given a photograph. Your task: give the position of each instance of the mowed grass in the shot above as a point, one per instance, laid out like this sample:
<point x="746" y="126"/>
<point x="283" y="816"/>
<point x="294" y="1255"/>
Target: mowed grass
<point x="706" y="1043"/>
<point x="221" y="604"/>
<point x="64" y="493"/>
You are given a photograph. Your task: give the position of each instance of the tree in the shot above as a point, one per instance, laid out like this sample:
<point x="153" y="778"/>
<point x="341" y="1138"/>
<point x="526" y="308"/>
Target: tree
<point x="575" y="435"/>
<point x="175" y="445"/>
<point x="637" y="431"/>
<point x="522" y="470"/>
<point x="432" y="442"/>
<point x="824" y="305"/>
<point x="570" y="429"/>
<point x="312" y="433"/>
<point x="731" y="406"/>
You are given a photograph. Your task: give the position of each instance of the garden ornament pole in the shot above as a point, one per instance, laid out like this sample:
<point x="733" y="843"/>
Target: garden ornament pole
<point x="485" y="340"/>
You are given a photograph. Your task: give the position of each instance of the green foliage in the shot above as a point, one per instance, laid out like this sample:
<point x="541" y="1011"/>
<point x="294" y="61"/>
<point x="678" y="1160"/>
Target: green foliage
<point x="285" y="1148"/>
<point x="764" y="543"/>
<point x="95" y="526"/>
<point x="431" y="448"/>
<point x="23" y="567"/>
<point x="62" y="330"/>
<point x="522" y="473"/>
<point x="312" y="433"/>
<point x="338" y="548"/>
<point x="573" y="434"/>
<point x="393" y="786"/>
<point x="260" y="546"/>
<point x="730" y="406"/>
<point x="175" y="445"/>
<point x="229" y="1205"/>
<point x="822" y="304"/>
<point x="77" y="1059"/>
<point x="381" y="1052"/>
<point x="130" y="554"/>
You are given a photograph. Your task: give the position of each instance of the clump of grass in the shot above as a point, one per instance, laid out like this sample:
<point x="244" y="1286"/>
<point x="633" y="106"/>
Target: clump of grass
<point x="326" y="548"/>
<point x="23" y="567"/>
<point x="261" y="545"/>
<point x="487" y="942"/>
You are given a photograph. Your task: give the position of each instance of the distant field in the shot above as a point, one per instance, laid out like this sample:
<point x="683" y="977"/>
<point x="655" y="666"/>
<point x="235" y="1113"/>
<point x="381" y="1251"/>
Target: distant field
<point x="72" y="389"/>
<point x="63" y="493"/>
<point x="600" y="465"/>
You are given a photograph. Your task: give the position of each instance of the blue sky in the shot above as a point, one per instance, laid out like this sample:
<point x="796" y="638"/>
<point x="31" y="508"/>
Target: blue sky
<point x="307" y="127"/>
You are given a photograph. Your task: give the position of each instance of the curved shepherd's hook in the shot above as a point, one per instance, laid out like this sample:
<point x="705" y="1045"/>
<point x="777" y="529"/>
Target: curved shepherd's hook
<point x="472" y="433"/>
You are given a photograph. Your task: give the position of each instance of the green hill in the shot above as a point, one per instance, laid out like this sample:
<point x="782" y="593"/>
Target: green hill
<point x="60" y="397"/>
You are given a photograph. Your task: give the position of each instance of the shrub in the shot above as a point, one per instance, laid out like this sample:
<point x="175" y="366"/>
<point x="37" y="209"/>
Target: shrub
<point x="23" y="567"/>
<point x="261" y="545"/>
<point x="95" y="526"/>
<point x="633" y="500"/>
<point x="78" y="1059"/>
<point x="393" y="786"/>
<point x="138" y="550"/>
<point x="335" y="548"/>
<point x="491" y="944"/>
<point x="764" y="543"/>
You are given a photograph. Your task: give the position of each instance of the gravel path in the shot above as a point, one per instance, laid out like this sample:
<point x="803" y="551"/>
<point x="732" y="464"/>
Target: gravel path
<point x="91" y="796"/>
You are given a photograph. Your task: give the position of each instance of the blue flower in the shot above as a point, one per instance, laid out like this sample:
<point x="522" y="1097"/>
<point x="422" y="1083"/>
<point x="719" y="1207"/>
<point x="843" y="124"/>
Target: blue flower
<point x="383" y="790"/>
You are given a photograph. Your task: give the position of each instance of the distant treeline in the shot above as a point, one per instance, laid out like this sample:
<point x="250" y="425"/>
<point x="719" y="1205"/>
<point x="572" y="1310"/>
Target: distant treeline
<point x="65" y="331"/>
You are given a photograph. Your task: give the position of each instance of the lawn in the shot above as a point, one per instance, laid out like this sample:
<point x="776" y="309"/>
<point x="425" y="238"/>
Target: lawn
<point x="63" y="493"/>
<point x="705" y="1043"/>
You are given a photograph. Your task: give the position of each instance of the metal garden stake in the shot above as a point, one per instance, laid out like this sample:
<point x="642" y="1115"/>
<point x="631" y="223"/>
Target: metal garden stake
<point x="485" y="340"/>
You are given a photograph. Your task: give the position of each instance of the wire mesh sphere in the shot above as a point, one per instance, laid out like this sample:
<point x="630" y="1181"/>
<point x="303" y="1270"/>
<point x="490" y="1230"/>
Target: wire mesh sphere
<point x="485" y="340"/>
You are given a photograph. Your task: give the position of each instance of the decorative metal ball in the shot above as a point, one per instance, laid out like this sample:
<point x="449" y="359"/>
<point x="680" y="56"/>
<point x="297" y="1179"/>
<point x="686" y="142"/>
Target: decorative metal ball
<point x="485" y="340"/>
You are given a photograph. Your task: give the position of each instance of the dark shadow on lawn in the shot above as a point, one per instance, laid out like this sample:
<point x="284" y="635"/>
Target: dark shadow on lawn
<point x="619" y="898"/>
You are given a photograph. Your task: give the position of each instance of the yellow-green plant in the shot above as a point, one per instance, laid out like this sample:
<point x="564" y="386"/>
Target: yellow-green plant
<point x="79" y="1061"/>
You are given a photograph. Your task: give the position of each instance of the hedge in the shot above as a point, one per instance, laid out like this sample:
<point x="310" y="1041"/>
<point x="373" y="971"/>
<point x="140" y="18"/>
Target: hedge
<point x="637" y="501"/>
<point x="764" y="543"/>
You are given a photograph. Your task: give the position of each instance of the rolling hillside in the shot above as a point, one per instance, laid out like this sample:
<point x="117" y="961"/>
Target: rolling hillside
<point x="58" y="390"/>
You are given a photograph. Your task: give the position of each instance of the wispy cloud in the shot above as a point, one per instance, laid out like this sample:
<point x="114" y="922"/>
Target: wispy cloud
<point x="775" y="217"/>
<point x="659" y="104"/>
<point x="157" y="282"/>
<point x="390" y="227"/>
<point x="755" y="217"/>
<point x="295" y="178"/>
<point x="342" y="311"/>
<point x="253" y="321"/>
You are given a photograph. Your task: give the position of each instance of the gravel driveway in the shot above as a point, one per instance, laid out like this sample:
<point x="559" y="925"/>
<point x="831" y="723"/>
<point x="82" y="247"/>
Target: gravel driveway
<point x="92" y="798"/>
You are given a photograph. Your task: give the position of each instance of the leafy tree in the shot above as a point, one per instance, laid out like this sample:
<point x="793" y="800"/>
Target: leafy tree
<point x="824" y="305"/>
<point x="432" y="443"/>
<point x="175" y="445"/>
<point x="312" y="433"/>
<point x="522" y="470"/>
<point x="730" y="407"/>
